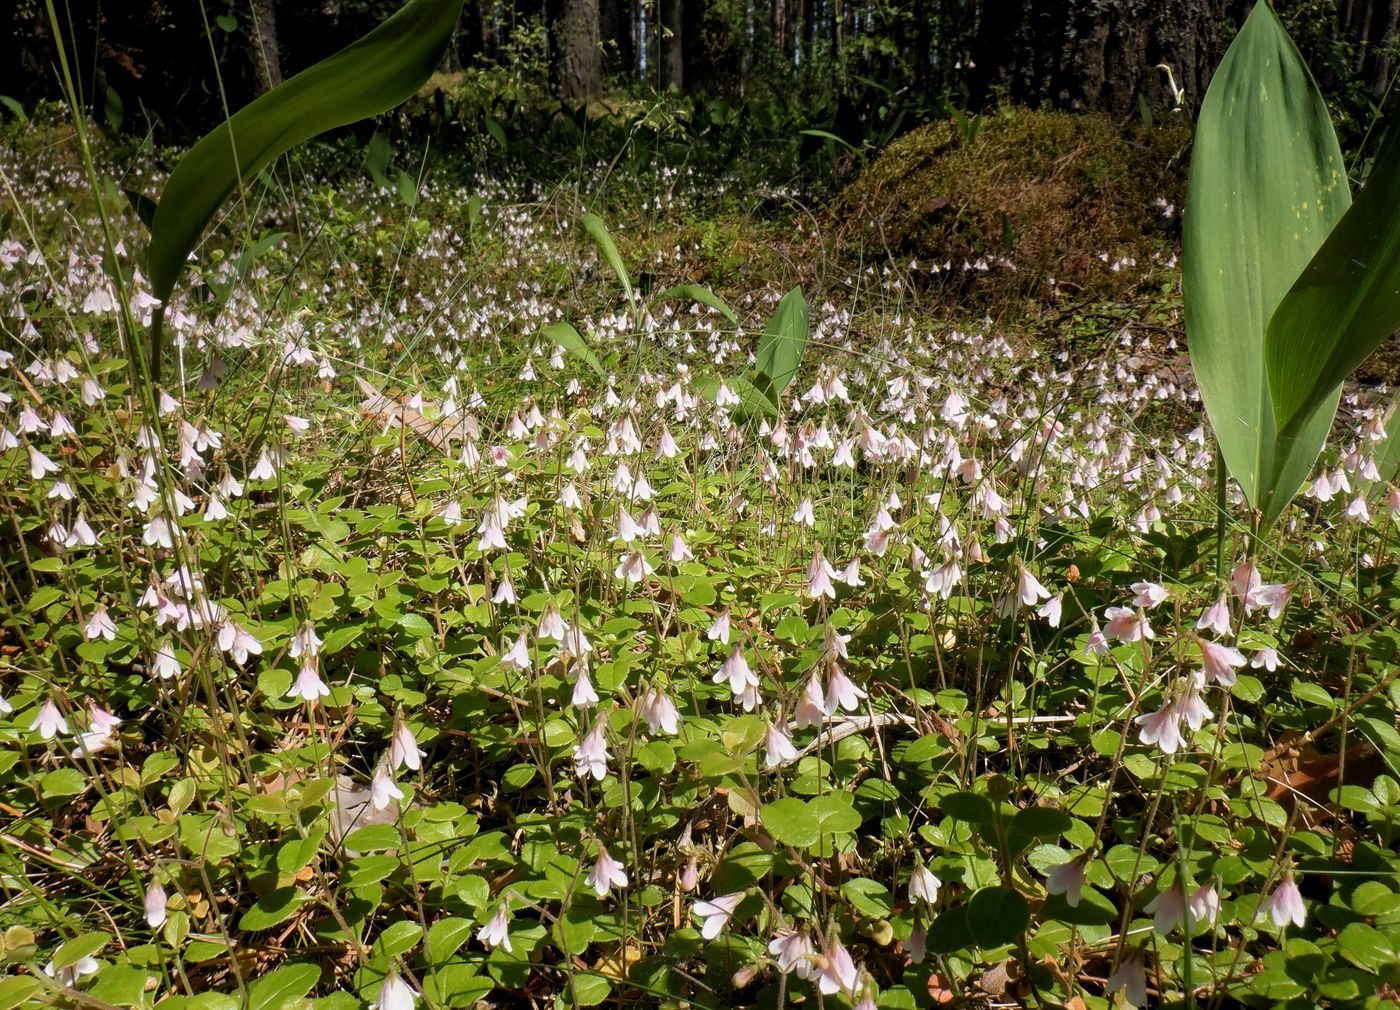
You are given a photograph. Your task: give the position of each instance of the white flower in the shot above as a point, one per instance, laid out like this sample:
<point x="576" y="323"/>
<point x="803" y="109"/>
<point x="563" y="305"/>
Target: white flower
<point x="793" y="949"/>
<point x="495" y="933"/>
<point x="1029" y="589"/>
<point x="660" y="713"/>
<point x="811" y="707"/>
<point x="1130" y="978"/>
<point x="1220" y="661"/>
<point x="714" y="915"/>
<point x="841" y="692"/>
<point x="166" y="664"/>
<point x="238" y="642"/>
<point x="100" y="625"/>
<point x="1068" y="879"/>
<point x="736" y="671"/>
<point x="591" y="755"/>
<point x="1216" y="618"/>
<point x="719" y="630"/>
<point x="404" y="751"/>
<point x="395" y="994"/>
<point x="383" y="790"/>
<point x="49" y="722"/>
<point x="155" y="905"/>
<point x="606" y="874"/>
<point x="1285" y="904"/>
<point x="69" y="976"/>
<point x="924" y="885"/>
<point x="777" y="748"/>
<point x="308" y="686"/>
<point x="840" y="973"/>
<point x="1149" y="595"/>
<point x="633" y="567"/>
<point x="518" y="656"/>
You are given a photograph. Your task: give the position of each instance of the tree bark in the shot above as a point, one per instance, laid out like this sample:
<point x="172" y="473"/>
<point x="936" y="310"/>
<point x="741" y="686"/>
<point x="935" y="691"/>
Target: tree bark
<point x="616" y="31"/>
<point x="672" y="45"/>
<point x="267" y="58"/>
<point x="580" y="57"/>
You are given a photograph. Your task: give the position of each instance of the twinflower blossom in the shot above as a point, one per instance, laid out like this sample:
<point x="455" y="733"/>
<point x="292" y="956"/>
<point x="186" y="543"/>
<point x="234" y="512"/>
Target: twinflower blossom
<point x="1068" y="879"/>
<point x="838" y="970"/>
<point x="496" y="932"/>
<point x="777" y="747"/>
<point x="1220" y="662"/>
<point x="1127" y="625"/>
<point x="155" y="905"/>
<point x="660" y="713"/>
<point x="606" y="874"/>
<point x="1216" y="617"/>
<point x="49" y="722"/>
<point x="1130" y="978"/>
<point x="841" y="692"/>
<point x="1284" y="904"/>
<point x="591" y="755"/>
<point x="1029" y="589"/>
<point x="793" y="949"/>
<point x="395" y="994"/>
<point x="714" y="914"/>
<point x="736" y="671"/>
<point x="924" y="885"/>
<point x="404" y="751"/>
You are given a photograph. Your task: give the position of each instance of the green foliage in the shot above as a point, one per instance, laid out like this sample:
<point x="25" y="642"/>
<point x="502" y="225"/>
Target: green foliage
<point x="1287" y="290"/>
<point x="371" y="76"/>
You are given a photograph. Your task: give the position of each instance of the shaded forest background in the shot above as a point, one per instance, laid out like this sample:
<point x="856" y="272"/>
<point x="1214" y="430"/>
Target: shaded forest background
<point x="864" y="69"/>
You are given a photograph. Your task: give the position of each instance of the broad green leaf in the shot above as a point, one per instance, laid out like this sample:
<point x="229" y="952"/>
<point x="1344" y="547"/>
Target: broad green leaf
<point x="366" y="78"/>
<point x="277" y="906"/>
<point x="280" y="988"/>
<point x="445" y="936"/>
<point x="572" y="341"/>
<point x="997" y="915"/>
<point x="76" y="949"/>
<point x="703" y="295"/>
<point x="967" y="807"/>
<point x="1041" y="822"/>
<point x="593" y="224"/>
<point x="1267" y="184"/>
<point x="1347" y="301"/>
<point x="15" y="991"/>
<point x="781" y="347"/>
<point x="751" y="399"/>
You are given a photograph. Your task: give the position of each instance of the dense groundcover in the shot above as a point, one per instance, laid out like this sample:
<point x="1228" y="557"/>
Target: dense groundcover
<point x="392" y="653"/>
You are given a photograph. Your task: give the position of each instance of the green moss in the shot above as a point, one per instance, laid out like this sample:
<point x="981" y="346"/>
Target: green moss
<point x="1050" y="192"/>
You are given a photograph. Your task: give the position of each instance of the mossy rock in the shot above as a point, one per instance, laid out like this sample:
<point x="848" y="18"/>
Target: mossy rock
<point x="1038" y="202"/>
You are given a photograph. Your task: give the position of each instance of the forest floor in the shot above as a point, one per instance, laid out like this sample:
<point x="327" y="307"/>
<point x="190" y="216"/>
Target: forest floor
<point x="456" y="624"/>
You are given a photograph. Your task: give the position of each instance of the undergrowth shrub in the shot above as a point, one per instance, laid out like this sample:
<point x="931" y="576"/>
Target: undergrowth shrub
<point x="1027" y="203"/>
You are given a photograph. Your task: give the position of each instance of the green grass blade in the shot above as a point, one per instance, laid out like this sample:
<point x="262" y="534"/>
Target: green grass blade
<point x="1267" y="185"/>
<point x="364" y="79"/>
<point x="572" y="341"/>
<point x="593" y="224"/>
<point x="782" y="345"/>
<point x="1347" y="301"/>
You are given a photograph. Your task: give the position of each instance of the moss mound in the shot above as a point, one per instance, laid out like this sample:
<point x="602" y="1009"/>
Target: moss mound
<point x="1037" y="203"/>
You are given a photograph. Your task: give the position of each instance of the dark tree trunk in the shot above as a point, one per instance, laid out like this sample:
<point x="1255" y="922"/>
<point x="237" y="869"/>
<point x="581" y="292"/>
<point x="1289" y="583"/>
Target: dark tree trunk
<point x="619" y="45"/>
<point x="672" y="45"/>
<point x="267" y="58"/>
<point x="698" y="46"/>
<point x="1097" y="55"/>
<point x="580" y="58"/>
